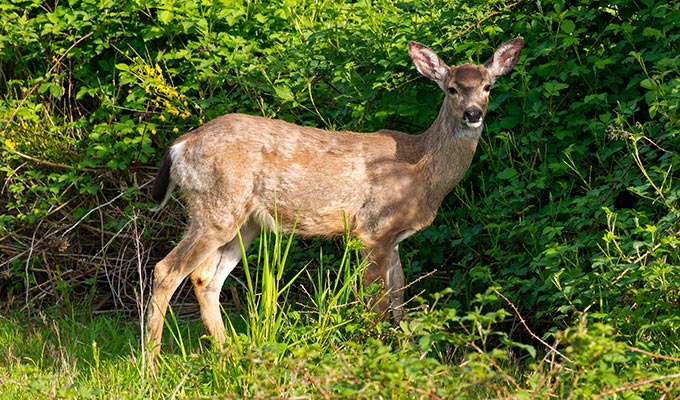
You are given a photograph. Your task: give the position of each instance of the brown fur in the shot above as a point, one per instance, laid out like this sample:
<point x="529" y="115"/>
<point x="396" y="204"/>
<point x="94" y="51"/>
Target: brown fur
<point x="238" y="171"/>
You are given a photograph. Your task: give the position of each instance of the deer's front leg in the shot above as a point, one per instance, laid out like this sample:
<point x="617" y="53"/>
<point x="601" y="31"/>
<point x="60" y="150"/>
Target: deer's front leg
<point x="384" y="268"/>
<point x="395" y="284"/>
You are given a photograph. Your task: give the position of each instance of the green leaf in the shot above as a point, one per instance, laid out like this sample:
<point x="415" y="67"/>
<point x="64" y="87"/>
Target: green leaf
<point x="568" y="26"/>
<point x="284" y="93"/>
<point x="510" y="121"/>
<point x="165" y="16"/>
<point x="552" y="88"/>
<point x="649" y="84"/>
<point x="508" y="174"/>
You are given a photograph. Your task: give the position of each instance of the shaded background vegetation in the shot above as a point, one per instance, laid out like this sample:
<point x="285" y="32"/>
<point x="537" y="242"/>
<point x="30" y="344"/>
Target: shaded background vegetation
<point x="569" y="210"/>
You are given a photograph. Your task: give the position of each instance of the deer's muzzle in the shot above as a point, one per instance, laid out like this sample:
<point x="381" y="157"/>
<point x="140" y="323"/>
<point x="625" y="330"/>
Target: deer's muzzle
<point x="473" y="117"/>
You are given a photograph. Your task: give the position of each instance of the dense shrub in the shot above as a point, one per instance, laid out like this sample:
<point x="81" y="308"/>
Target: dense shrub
<point x="571" y="206"/>
<point x="570" y="209"/>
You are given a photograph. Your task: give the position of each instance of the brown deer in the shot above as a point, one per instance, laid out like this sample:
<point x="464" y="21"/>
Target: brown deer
<point x="238" y="171"/>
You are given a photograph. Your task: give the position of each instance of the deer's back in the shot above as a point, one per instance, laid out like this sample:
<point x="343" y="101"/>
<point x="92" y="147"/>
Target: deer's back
<point x="301" y="174"/>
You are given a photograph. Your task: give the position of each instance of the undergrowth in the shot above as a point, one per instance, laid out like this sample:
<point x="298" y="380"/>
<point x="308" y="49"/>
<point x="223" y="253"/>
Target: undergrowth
<point x="551" y="271"/>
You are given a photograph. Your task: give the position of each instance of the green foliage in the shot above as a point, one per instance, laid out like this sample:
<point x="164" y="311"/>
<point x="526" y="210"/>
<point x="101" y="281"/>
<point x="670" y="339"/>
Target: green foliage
<point x="571" y="207"/>
<point x="438" y="353"/>
<point x="569" y="212"/>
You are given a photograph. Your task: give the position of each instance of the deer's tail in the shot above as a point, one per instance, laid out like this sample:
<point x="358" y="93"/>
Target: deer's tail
<point x="163" y="184"/>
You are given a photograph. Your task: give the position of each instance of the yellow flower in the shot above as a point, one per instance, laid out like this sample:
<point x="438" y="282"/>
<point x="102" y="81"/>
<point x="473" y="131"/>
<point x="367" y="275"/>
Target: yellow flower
<point x="153" y="131"/>
<point x="10" y="144"/>
<point x="161" y="117"/>
<point x="175" y="130"/>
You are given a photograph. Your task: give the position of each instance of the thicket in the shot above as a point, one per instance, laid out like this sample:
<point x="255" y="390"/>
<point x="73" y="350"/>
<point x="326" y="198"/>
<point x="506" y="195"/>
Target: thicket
<point x="565" y="229"/>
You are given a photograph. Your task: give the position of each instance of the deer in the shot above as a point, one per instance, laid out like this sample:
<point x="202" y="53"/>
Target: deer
<point x="240" y="174"/>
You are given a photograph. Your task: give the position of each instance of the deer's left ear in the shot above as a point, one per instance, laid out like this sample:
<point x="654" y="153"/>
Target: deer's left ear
<point x="505" y="57"/>
<point x="428" y="63"/>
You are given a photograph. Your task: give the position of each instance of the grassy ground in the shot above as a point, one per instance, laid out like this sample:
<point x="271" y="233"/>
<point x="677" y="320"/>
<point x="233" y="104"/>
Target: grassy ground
<point x="329" y="348"/>
<point x="557" y="256"/>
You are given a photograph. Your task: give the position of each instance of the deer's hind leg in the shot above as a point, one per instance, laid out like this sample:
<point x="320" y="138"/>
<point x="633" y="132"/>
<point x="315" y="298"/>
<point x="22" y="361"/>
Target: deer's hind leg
<point x="210" y="276"/>
<point x="197" y="248"/>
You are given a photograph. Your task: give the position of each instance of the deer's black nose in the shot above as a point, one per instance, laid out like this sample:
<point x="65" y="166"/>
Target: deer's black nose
<point x="472" y="115"/>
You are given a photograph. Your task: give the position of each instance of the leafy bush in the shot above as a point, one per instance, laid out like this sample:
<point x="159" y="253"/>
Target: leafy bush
<point x="591" y="160"/>
<point x="570" y="210"/>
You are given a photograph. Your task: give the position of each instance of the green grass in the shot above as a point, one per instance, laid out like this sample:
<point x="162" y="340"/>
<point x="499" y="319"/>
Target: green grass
<point x="331" y="347"/>
<point x="68" y="356"/>
<point x="49" y="359"/>
<point x="557" y="257"/>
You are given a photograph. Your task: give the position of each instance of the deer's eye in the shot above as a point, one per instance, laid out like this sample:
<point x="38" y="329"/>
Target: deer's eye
<point x="453" y="90"/>
<point x="487" y="88"/>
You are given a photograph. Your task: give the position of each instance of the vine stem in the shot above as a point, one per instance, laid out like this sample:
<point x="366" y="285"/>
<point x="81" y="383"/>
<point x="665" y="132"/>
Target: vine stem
<point x="524" y="324"/>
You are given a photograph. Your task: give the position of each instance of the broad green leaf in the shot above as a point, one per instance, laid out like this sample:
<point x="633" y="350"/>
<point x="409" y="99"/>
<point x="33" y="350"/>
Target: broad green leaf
<point x="568" y="26"/>
<point x="284" y="93"/>
<point x="165" y="16"/>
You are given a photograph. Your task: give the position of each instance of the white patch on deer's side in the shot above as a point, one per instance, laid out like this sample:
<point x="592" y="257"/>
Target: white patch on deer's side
<point x="176" y="151"/>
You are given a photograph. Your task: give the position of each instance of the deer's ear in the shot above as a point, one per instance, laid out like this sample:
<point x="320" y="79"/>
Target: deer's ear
<point x="505" y="57"/>
<point x="428" y="63"/>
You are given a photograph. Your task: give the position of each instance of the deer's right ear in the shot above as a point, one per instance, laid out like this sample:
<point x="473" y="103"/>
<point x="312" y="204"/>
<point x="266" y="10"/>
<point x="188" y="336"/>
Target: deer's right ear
<point x="428" y="63"/>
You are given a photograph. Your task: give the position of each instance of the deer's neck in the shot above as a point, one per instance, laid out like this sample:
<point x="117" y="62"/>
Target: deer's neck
<point x="450" y="147"/>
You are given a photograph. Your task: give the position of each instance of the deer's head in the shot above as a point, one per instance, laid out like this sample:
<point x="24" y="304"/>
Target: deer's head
<point x="467" y="86"/>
